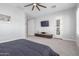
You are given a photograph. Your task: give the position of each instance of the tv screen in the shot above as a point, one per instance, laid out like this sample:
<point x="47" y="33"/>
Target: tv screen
<point x="44" y="23"/>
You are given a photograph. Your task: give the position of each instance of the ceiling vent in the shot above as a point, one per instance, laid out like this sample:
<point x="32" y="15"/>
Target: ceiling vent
<point x="54" y="6"/>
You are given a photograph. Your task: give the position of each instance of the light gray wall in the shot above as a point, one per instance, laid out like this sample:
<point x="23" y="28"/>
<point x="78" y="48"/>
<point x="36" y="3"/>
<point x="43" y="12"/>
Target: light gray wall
<point x="15" y="28"/>
<point x="31" y="26"/>
<point x="77" y="23"/>
<point x="68" y="23"/>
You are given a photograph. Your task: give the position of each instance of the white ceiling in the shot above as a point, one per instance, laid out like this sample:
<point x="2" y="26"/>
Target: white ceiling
<point x="43" y="11"/>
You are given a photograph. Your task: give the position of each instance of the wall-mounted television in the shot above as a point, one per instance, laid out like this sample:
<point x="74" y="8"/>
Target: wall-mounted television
<point x="44" y="23"/>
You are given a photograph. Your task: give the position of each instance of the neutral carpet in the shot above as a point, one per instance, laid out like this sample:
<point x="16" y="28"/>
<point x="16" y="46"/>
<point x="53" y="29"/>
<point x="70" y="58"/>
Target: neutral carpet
<point x="63" y="47"/>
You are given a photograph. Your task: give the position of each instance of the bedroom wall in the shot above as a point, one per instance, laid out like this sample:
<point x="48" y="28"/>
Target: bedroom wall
<point x="31" y="27"/>
<point x="77" y="23"/>
<point x="68" y="23"/>
<point x="15" y="28"/>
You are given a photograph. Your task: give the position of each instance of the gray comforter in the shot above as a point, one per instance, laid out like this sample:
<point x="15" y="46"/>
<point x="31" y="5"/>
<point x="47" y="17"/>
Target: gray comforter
<point x="24" y="47"/>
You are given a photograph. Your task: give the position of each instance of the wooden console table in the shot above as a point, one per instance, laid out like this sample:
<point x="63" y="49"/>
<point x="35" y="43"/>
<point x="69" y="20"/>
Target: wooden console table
<point x="44" y="35"/>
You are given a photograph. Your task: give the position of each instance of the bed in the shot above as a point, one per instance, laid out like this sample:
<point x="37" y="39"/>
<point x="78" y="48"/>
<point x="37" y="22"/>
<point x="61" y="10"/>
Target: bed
<point x="23" y="47"/>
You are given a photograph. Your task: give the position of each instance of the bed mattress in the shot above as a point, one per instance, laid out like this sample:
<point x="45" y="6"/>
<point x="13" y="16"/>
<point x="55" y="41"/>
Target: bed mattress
<point x="23" y="47"/>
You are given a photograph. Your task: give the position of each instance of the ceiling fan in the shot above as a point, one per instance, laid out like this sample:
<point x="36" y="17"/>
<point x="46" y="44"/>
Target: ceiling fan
<point x="35" y="5"/>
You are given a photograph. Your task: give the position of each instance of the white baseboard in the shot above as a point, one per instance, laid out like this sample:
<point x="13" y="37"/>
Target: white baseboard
<point x="69" y="39"/>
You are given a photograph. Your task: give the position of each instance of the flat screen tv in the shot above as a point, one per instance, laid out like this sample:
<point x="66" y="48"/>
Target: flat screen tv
<point x="44" y="23"/>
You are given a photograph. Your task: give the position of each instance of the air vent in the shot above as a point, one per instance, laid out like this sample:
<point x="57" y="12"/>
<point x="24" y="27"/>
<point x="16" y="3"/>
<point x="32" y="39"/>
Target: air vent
<point x="54" y="6"/>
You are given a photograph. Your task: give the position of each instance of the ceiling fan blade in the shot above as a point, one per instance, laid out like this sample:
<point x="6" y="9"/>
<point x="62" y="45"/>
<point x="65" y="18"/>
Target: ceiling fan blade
<point x="37" y="7"/>
<point x="33" y="7"/>
<point x="41" y="5"/>
<point x="28" y="5"/>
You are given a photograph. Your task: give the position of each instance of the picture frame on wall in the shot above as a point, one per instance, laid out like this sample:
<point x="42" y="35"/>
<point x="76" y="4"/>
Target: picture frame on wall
<point x="45" y="23"/>
<point x="4" y="17"/>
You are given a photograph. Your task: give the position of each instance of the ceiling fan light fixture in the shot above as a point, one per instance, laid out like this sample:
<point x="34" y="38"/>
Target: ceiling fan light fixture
<point x="37" y="5"/>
